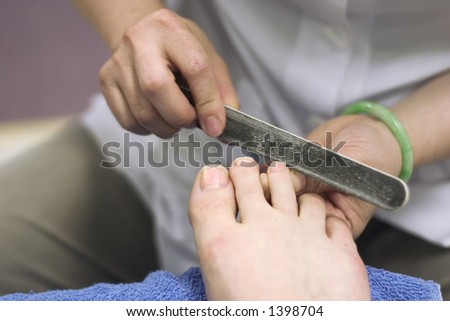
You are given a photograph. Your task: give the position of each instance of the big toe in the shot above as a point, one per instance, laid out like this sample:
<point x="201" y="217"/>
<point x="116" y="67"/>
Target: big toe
<point x="212" y="206"/>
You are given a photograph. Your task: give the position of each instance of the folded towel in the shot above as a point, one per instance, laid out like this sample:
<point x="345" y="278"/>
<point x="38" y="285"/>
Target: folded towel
<point x="164" y="286"/>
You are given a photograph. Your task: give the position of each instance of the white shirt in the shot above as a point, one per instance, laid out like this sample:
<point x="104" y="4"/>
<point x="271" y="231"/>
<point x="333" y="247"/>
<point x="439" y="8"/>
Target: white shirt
<point x="296" y="63"/>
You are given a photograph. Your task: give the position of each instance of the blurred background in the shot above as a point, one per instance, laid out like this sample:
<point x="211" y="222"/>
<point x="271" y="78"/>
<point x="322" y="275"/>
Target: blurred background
<point x="49" y="61"/>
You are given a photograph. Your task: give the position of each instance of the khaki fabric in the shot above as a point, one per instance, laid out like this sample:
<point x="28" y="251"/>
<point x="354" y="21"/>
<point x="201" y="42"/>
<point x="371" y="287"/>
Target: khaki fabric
<point x="65" y="222"/>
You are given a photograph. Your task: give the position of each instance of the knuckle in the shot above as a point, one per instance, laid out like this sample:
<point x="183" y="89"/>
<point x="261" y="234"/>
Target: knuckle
<point x="129" y="124"/>
<point x="103" y="79"/>
<point x="212" y="103"/>
<point x="115" y="60"/>
<point x="115" y="66"/>
<point x="165" y="14"/>
<point x="133" y="37"/>
<point x="165" y="19"/>
<point x="168" y="133"/>
<point x="152" y="84"/>
<point x="146" y="118"/>
<point x="104" y="76"/>
<point x="207" y="106"/>
<point x="198" y="65"/>
<point x="182" y="120"/>
<point x="131" y="33"/>
<point x="152" y="121"/>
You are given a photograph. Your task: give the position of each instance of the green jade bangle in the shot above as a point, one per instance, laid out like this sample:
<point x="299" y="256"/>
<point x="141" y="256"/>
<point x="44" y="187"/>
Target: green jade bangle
<point x="397" y="129"/>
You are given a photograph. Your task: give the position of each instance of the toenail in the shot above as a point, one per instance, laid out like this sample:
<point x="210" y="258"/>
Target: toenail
<point x="277" y="166"/>
<point x="213" y="177"/>
<point x="245" y="162"/>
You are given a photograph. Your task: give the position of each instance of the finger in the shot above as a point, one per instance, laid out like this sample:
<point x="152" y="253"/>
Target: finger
<point x="282" y="194"/>
<point x="222" y="76"/>
<point x="143" y="111"/>
<point x="119" y="107"/>
<point x="312" y="211"/>
<point x="197" y="68"/>
<point x="212" y="206"/>
<point x="157" y="83"/>
<point x="338" y="230"/>
<point x="249" y="192"/>
<point x="357" y="213"/>
<point x="332" y="210"/>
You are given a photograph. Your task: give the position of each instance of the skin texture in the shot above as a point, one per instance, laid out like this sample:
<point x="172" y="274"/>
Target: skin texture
<point x="365" y="140"/>
<point x="138" y="81"/>
<point x="294" y="250"/>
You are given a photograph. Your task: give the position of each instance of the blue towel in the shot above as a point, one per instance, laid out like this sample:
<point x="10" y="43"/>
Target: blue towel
<point x="164" y="286"/>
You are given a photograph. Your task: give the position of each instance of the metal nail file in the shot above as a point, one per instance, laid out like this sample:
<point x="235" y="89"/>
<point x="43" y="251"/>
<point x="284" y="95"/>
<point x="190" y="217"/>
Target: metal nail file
<point x="340" y="172"/>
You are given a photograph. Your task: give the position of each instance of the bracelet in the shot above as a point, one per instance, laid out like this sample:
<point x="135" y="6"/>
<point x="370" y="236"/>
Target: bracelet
<point x="397" y="129"/>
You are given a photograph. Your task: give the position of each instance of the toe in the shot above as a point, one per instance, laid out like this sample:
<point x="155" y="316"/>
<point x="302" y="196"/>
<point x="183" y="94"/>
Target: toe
<point x="312" y="211"/>
<point x="282" y="193"/>
<point x="339" y="231"/>
<point x="247" y="183"/>
<point x="212" y="206"/>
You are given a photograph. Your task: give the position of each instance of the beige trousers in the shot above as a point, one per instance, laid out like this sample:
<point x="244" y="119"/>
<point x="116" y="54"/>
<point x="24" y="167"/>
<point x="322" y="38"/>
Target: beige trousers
<point x="65" y="222"/>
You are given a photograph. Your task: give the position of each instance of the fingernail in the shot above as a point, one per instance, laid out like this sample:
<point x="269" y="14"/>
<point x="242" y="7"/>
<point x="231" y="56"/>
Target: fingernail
<point x="213" y="126"/>
<point x="214" y="177"/>
<point x="245" y="162"/>
<point x="277" y="166"/>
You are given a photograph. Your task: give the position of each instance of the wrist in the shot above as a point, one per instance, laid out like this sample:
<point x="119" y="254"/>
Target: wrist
<point x="392" y="146"/>
<point x="395" y="127"/>
<point x="114" y="34"/>
<point x="111" y="18"/>
<point x="389" y="159"/>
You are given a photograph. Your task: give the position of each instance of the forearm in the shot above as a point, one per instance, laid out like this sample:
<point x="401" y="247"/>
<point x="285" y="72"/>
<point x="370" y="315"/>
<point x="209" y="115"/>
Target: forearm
<point x="110" y="18"/>
<point x="426" y="117"/>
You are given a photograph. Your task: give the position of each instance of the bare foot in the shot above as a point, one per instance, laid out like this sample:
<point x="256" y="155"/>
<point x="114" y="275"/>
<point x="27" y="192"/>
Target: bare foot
<point x="282" y="249"/>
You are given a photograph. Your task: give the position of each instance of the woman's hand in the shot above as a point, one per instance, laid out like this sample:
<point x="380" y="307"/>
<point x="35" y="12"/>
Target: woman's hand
<point x="138" y="80"/>
<point x="366" y="140"/>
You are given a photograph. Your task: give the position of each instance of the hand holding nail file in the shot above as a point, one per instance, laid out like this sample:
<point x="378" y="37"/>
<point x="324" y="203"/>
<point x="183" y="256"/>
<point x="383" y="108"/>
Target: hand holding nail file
<point x="340" y="172"/>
